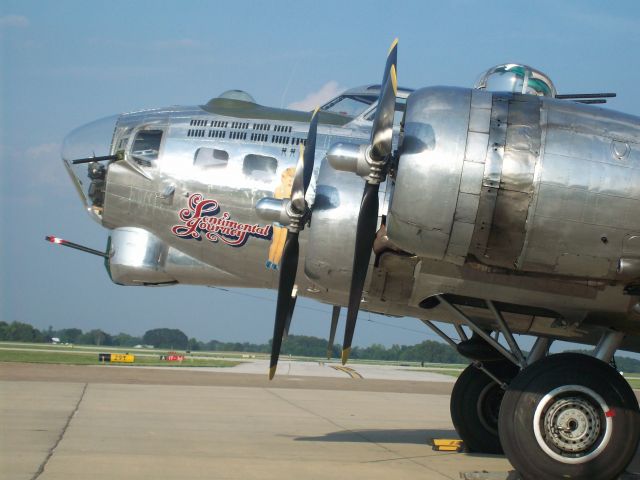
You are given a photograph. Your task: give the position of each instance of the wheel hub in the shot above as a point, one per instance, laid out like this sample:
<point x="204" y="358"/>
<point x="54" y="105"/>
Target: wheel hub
<point x="570" y="424"/>
<point x="573" y="424"/>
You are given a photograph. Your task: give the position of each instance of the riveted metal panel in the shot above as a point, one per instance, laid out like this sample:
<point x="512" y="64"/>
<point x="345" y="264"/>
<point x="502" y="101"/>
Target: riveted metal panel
<point x="598" y="177"/>
<point x="471" y="178"/>
<point x="472" y="174"/>
<point x="479" y="119"/>
<point x="552" y="238"/>
<point x="484" y="217"/>
<point x="508" y="182"/>
<point x="461" y="234"/>
<point x="523" y="144"/>
<point x="521" y="153"/>
<point x="588" y="198"/>
<point x="481" y="99"/>
<point x="491" y="174"/>
<point x="560" y="202"/>
<point x="467" y="208"/>
<point x="592" y="121"/>
<point x="476" y="150"/>
<point x="497" y="141"/>
<point x="508" y="228"/>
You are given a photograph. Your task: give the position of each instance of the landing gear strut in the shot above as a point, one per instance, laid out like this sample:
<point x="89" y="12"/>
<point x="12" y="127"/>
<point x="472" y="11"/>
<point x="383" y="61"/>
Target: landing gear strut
<point x="569" y="415"/>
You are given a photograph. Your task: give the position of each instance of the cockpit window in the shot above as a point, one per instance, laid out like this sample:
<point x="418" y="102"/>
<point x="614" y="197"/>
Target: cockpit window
<point x="401" y="105"/>
<point x="349" y="105"/>
<point x="146" y="146"/>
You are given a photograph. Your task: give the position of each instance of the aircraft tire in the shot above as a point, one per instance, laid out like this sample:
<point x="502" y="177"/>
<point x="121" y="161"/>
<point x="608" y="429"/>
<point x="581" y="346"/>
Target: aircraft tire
<point x="569" y="416"/>
<point x="475" y="403"/>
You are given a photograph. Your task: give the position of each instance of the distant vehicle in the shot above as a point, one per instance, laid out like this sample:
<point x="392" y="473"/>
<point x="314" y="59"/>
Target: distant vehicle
<point x="502" y="209"/>
<point x="172" y="357"/>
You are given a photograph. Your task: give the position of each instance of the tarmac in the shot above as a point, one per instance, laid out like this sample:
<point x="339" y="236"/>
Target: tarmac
<point x="109" y="422"/>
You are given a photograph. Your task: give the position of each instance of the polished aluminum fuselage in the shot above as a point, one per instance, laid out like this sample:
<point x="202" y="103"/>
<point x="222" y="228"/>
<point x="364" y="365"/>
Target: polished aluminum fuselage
<point x="524" y="200"/>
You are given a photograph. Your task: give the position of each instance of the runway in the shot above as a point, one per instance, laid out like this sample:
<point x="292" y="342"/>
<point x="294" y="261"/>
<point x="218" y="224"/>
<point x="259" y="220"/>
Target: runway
<point x="105" y="422"/>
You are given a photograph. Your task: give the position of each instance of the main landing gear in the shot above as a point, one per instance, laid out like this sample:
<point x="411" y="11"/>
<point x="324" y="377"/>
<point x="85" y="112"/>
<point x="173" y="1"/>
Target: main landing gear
<point x="558" y="416"/>
<point x="569" y="415"/>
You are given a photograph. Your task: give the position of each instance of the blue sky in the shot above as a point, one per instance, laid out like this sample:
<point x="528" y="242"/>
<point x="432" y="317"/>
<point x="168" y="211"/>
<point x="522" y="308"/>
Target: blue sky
<point x="64" y="63"/>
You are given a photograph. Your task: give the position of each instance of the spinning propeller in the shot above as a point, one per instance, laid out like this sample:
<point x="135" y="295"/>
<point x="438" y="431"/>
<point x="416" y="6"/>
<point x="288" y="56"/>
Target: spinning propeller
<point x="370" y="162"/>
<point x="293" y="213"/>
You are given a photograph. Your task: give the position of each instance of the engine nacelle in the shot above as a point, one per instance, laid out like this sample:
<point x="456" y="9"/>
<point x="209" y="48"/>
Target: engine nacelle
<point x="517" y="182"/>
<point x="332" y="236"/>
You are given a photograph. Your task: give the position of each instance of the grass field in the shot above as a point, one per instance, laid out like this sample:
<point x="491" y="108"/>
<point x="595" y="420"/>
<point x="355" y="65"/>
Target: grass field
<point x="34" y="355"/>
<point x="88" y="355"/>
<point x="453" y="372"/>
<point x="94" y="348"/>
<point x="633" y="381"/>
<point x="207" y="354"/>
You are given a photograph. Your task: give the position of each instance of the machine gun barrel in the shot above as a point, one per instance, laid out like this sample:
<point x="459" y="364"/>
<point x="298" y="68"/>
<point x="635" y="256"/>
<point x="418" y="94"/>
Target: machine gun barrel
<point x="95" y="159"/>
<point x="571" y="96"/>
<point x="82" y="248"/>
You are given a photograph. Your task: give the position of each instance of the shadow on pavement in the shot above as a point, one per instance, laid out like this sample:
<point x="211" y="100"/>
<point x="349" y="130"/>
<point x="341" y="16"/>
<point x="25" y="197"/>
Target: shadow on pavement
<point x="415" y="436"/>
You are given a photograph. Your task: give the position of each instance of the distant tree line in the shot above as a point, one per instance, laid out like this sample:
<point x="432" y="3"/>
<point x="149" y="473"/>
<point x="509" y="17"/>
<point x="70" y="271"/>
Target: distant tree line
<point x="170" y="338"/>
<point x="158" y="337"/>
<point x="298" y="345"/>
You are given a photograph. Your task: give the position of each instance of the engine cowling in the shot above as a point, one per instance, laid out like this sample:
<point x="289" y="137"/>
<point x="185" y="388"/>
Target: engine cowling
<point x="332" y="236"/>
<point x="433" y="209"/>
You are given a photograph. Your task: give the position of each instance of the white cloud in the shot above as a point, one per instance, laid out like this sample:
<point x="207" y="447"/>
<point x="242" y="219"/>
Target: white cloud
<point x="44" y="166"/>
<point x="15" y="21"/>
<point x="36" y="174"/>
<point x="328" y="91"/>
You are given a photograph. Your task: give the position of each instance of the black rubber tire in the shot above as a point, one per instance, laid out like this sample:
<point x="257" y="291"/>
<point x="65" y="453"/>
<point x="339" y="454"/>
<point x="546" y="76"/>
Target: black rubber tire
<point x="525" y="394"/>
<point x="475" y="403"/>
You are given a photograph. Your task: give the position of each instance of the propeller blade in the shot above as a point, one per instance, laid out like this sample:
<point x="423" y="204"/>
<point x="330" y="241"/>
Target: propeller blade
<point x="335" y="315"/>
<point x="310" y="149"/>
<point x="304" y="168"/>
<point x="297" y="187"/>
<point x="292" y="306"/>
<point x="288" y="268"/>
<point x="290" y="252"/>
<point x="380" y="152"/>
<point x="365" y="235"/>
<point x="382" y="131"/>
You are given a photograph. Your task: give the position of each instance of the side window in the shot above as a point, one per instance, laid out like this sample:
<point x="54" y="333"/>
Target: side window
<point x="259" y="167"/>
<point x="210" y="158"/>
<point x="146" y="146"/>
<point x="122" y="144"/>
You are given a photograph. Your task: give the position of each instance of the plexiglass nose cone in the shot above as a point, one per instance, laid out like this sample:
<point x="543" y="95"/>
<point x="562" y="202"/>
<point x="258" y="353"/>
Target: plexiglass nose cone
<point x="90" y="140"/>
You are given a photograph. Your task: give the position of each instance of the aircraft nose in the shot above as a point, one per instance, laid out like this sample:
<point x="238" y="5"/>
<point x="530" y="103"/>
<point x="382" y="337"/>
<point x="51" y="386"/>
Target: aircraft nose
<point x="89" y="177"/>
